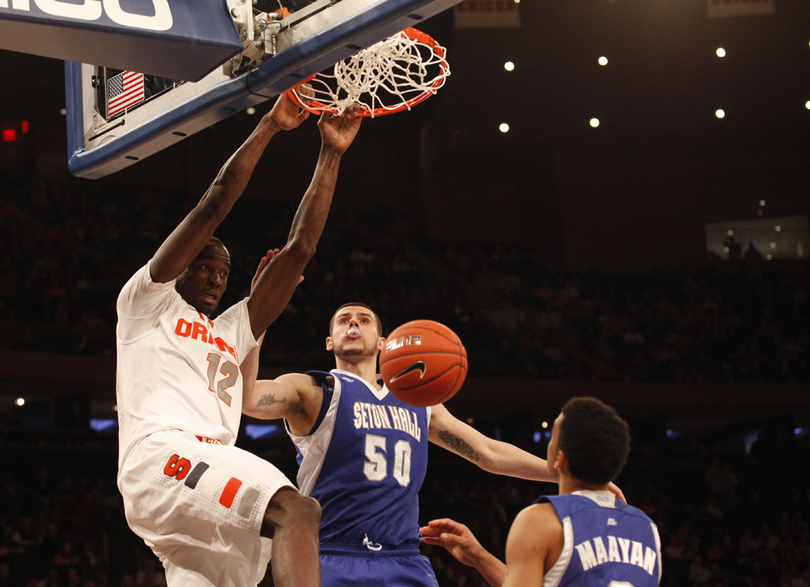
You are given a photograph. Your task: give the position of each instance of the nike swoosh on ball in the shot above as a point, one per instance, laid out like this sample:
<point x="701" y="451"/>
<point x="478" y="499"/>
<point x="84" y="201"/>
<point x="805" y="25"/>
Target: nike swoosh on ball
<point x="417" y="366"/>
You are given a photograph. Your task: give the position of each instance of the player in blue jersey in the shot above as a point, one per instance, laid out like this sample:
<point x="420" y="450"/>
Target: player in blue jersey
<point x="583" y="536"/>
<point x="363" y="455"/>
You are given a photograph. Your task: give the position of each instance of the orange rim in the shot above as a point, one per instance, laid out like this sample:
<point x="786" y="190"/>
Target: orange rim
<point x="317" y="107"/>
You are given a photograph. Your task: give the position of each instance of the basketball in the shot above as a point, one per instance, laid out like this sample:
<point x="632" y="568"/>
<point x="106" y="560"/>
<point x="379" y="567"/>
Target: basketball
<point x="423" y="363"/>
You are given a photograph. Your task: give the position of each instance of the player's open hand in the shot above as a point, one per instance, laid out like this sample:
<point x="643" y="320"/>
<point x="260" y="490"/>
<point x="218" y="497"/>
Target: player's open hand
<point x="456" y="538"/>
<point x="286" y="114"/>
<point x="338" y="132"/>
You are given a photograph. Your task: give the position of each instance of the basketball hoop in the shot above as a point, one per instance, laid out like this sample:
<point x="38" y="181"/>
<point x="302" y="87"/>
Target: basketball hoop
<point x="394" y="75"/>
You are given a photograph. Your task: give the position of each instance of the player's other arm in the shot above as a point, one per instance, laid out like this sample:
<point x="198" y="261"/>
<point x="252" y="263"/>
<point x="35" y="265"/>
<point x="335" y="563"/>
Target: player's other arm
<point x="491" y="455"/>
<point x="534" y="544"/>
<point x="464" y="546"/>
<point x="295" y="397"/>
<point x="250" y="364"/>
<point x="187" y="240"/>
<point x="277" y="283"/>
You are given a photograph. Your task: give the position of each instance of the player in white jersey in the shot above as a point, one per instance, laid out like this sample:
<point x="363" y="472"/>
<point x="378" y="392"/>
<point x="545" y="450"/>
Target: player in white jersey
<point x="582" y="537"/>
<point x="207" y="508"/>
<point x="363" y="454"/>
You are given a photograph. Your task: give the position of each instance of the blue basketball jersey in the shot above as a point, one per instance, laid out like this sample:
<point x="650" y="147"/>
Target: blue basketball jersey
<point x="365" y="463"/>
<point x="607" y="542"/>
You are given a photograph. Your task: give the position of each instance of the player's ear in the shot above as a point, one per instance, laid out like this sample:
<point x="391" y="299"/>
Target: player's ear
<point x="329" y="346"/>
<point x="380" y="344"/>
<point x="561" y="462"/>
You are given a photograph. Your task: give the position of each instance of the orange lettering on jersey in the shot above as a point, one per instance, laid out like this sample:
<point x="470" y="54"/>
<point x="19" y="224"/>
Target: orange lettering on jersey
<point x="199" y="330"/>
<point x="224" y="346"/>
<point x="183" y="328"/>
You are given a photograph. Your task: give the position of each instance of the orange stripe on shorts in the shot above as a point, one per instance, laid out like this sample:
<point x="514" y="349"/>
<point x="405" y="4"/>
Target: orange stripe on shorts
<point x="230" y="491"/>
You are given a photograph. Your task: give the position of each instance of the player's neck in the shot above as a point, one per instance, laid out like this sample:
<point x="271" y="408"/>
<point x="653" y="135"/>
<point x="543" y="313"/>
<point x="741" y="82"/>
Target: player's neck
<point x="570" y="485"/>
<point x="365" y="368"/>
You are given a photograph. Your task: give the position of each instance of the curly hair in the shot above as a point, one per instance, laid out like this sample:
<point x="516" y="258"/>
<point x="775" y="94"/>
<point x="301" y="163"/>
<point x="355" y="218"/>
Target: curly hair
<point x="595" y="440"/>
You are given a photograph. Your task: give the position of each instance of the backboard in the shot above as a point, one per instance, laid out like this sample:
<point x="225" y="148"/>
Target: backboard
<point x="185" y="39"/>
<point x="104" y="137"/>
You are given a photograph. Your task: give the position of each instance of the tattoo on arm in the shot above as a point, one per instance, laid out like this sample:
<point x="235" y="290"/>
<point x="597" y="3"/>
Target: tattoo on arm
<point x="268" y="399"/>
<point x="458" y="445"/>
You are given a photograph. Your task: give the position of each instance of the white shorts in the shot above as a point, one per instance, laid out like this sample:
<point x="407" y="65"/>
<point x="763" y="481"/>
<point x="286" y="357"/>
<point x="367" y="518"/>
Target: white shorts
<point x="200" y="508"/>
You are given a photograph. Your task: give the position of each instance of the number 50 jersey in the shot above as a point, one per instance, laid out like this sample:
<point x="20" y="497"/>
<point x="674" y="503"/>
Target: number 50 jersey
<point x="365" y="462"/>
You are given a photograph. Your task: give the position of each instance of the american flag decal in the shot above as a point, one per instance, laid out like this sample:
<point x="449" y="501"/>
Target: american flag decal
<point x="124" y="91"/>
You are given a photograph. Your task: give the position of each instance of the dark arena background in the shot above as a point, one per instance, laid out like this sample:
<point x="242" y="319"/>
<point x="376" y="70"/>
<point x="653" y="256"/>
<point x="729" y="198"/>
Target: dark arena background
<point x="624" y="239"/>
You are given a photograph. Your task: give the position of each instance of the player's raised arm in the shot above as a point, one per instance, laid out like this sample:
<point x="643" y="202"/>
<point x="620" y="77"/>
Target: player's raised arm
<point x="491" y="455"/>
<point x="187" y="240"/>
<point x="277" y="283"/>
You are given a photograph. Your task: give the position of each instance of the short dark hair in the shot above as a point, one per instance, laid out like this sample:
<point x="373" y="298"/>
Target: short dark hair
<point x="595" y="439"/>
<point x="362" y="305"/>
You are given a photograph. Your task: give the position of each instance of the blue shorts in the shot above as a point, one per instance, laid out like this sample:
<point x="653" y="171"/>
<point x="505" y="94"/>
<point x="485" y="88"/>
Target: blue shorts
<point x="349" y="566"/>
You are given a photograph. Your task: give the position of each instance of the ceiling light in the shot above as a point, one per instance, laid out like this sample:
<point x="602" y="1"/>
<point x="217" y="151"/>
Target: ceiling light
<point x="720" y="113"/>
<point x="594" y="122"/>
<point x="762" y="202"/>
<point x="504" y="127"/>
<point x="603" y="60"/>
<point x="250" y="111"/>
<point x="720" y="52"/>
<point x="20" y="401"/>
<point x="509" y="66"/>
<point x="777" y="228"/>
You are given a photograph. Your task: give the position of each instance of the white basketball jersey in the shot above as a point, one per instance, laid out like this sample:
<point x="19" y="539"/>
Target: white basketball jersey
<point x="177" y="369"/>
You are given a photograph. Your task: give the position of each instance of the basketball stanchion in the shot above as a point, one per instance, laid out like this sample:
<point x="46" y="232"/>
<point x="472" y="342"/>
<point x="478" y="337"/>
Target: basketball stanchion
<point x="391" y="76"/>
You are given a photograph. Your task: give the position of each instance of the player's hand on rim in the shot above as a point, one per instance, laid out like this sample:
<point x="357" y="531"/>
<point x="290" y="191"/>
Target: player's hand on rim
<point x="286" y="114"/>
<point x="338" y="132"/>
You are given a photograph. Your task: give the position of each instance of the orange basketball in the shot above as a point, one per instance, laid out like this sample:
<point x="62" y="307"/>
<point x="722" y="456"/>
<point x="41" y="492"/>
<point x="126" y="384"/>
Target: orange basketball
<point x="423" y="363"/>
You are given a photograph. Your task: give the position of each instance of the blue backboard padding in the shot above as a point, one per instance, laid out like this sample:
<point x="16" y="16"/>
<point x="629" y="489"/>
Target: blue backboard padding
<point x="276" y="75"/>
<point x="73" y="106"/>
<point x="200" y="36"/>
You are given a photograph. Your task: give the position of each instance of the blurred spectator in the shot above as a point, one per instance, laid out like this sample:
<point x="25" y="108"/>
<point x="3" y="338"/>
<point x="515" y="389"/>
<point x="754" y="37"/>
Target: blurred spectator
<point x="720" y="324"/>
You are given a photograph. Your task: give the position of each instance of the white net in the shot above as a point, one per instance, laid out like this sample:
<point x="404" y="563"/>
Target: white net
<point x="393" y="75"/>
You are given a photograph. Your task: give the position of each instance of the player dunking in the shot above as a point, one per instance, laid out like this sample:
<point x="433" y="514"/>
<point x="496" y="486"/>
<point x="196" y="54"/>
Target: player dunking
<point x="582" y="537"/>
<point x="206" y="508"/>
<point x="363" y="455"/>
